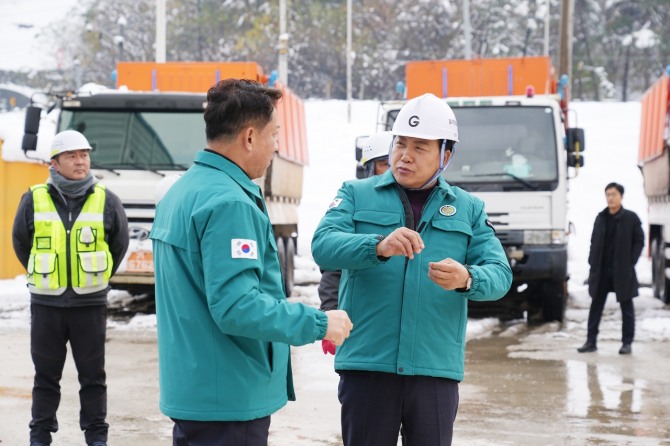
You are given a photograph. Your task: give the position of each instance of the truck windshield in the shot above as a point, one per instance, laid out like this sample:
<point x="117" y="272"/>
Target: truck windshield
<point x="504" y="148"/>
<point x="139" y="140"/>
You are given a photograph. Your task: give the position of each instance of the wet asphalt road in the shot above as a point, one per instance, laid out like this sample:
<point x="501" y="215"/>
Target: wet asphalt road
<point x="521" y="388"/>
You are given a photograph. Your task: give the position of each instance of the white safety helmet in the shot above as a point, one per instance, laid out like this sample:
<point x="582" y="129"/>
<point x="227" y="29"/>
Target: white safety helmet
<point x="426" y="117"/>
<point x="376" y="146"/>
<point x="67" y="141"/>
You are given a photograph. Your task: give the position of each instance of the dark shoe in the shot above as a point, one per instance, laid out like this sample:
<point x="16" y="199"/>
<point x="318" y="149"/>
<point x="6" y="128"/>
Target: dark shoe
<point x="38" y="444"/>
<point x="588" y="347"/>
<point x="99" y="443"/>
<point x="625" y="349"/>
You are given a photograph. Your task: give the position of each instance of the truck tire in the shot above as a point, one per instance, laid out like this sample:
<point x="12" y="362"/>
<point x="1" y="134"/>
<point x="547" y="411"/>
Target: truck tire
<point x="660" y="285"/>
<point x="289" y="266"/>
<point x="554" y="300"/>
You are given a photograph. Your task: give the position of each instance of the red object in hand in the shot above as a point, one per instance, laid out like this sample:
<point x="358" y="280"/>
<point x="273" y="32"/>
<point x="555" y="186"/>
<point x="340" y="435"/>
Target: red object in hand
<point x="328" y="347"/>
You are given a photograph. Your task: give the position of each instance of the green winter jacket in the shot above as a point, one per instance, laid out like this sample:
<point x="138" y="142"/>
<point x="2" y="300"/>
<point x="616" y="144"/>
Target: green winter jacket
<point x="224" y="323"/>
<point x="403" y="322"/>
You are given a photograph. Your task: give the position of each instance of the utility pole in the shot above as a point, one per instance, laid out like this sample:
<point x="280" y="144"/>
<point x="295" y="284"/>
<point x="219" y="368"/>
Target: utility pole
<point x="348" y="60"/>
<point x="160" y="31"/>
<point x="547" y="16"/>
<point x="283" y="44"/>
<point x="467" y="29"/>
<point x="565" y="53"/>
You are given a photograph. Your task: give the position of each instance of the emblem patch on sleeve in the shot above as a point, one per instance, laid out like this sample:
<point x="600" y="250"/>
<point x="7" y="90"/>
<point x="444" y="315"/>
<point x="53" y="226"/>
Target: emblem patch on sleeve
<point x="335" y="203"/>
<point x="243" y="249"/>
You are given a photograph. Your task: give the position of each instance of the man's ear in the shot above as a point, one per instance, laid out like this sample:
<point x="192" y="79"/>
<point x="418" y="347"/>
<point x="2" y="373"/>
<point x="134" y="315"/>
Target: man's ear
<point x="247" y="136"/>
<point x="447" y="156"/>
<point x="54" y="162"/>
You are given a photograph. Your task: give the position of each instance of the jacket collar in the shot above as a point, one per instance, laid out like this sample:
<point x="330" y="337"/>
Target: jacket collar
<point x="220" y="162"/>
<point x="387" y="179"/>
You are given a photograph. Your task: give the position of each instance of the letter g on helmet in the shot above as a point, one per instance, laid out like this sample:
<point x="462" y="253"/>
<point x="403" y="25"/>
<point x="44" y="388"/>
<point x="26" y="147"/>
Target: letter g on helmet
<point x="426" y="117"/>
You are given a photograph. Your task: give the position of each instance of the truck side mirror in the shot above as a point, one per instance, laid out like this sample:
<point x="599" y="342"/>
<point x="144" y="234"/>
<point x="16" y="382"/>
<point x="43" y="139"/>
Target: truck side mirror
<point x="575" y="160"/>
<point x="575" y="140"/>
<point x="360" y="141"/>
<point x="31" y="128"/>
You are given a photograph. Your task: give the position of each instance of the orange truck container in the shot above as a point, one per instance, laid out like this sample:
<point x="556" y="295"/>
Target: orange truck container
<point x="480" y="77"/>
<point x="654" y="162"/>
<point x="507" y="76"/>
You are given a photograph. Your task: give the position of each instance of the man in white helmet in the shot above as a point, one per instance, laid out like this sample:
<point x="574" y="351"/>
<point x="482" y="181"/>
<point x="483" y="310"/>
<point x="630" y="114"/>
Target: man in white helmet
<point x="375" y="162"/>
<point x="70" y="234"/>
<point x="413" y="250"/>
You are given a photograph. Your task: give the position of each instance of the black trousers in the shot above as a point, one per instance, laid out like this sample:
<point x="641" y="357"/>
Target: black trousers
<point x="596" y="312"/>
<point x="221" y="433"/>
<point x="51" y="329"/>
<point x="375" y="406"/>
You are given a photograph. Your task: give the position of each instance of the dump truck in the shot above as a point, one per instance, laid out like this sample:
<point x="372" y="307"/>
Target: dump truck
<point x="151" y="127"/>
<point x="515" y="153"/>
<point x="654" y="162"/>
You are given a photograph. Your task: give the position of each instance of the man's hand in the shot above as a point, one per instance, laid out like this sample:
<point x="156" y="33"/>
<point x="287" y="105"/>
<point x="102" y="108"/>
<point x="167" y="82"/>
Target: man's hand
<point x="401" y="242"/>
<point x="448" y="273"/>
<point x="339" y="326"/>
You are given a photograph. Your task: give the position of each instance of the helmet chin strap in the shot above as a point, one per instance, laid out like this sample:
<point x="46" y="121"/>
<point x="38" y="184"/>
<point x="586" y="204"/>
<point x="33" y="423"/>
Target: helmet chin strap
<point x="439" y="170"/>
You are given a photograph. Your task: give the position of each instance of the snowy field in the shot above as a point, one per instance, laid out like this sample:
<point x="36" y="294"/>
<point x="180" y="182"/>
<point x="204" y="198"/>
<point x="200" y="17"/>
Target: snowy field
<point x="611" y="154"/>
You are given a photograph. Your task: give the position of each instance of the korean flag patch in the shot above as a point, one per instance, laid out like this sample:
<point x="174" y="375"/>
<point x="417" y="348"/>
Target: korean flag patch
<point x="242" y="248"/>
<point x="335" y="203"/>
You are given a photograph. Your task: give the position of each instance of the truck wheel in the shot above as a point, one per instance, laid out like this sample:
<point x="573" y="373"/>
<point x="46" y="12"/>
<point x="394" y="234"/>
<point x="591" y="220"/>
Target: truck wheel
<point x="554" y="300"/>
<point x="289" y="266"/>
<point x="659" y="281"/>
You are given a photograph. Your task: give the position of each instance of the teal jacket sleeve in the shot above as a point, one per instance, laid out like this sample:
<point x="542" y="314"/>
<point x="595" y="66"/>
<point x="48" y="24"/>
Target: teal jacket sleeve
<point x="244" y="292"/>
<point x="335" y="244"/>
<point x="489" y="267"/>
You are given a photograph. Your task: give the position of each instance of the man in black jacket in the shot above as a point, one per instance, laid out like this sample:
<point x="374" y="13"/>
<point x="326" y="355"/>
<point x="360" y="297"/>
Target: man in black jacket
<point x="616" y="243"/>
<point x="70" y="234"/>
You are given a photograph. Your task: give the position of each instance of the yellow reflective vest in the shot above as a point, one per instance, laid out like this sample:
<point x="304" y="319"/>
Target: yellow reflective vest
<point x="82" y="248"/>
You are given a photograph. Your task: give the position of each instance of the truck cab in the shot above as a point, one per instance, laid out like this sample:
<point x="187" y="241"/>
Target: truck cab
<point x="141" y="138"/>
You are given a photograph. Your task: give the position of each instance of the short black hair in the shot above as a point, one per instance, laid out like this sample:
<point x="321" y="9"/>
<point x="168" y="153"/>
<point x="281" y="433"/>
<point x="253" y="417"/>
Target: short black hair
<point x="233" y="104"/>
<point x="616" y="186"/>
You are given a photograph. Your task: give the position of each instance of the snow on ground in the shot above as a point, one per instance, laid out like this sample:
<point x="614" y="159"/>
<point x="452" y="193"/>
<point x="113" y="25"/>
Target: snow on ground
<point x="611" y="155"/>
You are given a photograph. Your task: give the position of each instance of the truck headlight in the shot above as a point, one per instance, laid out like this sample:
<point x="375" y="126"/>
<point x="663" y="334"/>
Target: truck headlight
<point x="555" y="237"/>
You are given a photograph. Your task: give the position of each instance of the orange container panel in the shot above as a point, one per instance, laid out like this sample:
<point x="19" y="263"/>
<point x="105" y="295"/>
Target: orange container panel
<point x="292" y="129"/>
<point x="195" y="77"/>
<point x="654" y="117"/>
<point x="479" y="77"/>
<point x="15" y="179"/>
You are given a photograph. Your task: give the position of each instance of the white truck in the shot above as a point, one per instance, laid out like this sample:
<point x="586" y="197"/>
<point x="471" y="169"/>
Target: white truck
<point x="138" y="139"/>
<point x="654" y="162"/>
<point x="514" y="154"/>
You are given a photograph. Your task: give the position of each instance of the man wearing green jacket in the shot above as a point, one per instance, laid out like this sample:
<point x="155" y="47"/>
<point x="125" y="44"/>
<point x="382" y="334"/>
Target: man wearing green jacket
<point x="224" y="324"/>
<point x="413" y="250"/>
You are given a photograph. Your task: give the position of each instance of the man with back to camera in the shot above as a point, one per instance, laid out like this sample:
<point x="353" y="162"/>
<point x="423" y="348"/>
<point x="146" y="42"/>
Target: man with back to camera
<point x="616" y="244"/>
<point x="224" y="323"/>
<point x="413" y="250"/>
<point x="70" y="234"/>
